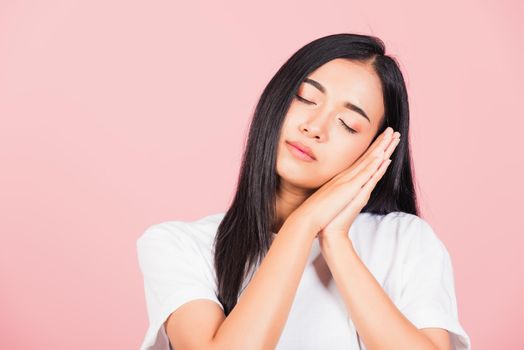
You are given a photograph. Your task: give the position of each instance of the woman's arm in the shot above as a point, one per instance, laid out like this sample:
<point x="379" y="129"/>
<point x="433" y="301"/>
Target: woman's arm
<point x="259" y="317"/>
<point x="378" y="321"/>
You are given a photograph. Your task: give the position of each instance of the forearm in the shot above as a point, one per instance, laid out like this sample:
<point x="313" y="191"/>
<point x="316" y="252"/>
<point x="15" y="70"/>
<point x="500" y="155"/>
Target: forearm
<point x="259" y="317"/>
<point x="378" y="321"/>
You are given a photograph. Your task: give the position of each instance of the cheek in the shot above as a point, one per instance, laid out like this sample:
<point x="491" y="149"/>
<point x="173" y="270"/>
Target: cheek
<point x="291" y="118"/>
<point x="346" y="157"/>
<point x="350" y="155"/>
<point x="289" y="129"/>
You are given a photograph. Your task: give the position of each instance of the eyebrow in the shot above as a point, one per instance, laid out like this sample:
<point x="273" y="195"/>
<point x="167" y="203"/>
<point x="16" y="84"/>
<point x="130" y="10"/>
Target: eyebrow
<point x="347" y="104"/>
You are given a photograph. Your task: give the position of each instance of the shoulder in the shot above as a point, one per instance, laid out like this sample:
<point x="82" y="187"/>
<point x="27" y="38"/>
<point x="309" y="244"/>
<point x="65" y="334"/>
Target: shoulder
<point x="396" y="234"/>
<point x="397" y="220"/>
<point x="188" y="235"/>
<point x="400" y="225"/>
<point x="417" y="233"/>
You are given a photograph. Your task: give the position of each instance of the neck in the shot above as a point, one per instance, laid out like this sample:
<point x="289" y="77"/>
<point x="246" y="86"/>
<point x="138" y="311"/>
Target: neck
<point x="289" y="198"/>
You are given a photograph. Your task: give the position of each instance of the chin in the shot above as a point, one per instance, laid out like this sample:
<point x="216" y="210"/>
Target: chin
<point x="299" y="177"/>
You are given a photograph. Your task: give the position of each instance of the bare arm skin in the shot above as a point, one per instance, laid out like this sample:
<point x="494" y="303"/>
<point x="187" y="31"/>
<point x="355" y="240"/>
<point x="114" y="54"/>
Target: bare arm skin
<point x="259" y="317"/>
<point x="378" y="321"/>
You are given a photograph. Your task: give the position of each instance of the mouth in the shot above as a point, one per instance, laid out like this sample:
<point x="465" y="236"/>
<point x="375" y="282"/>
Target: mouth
<point x="300" y="151"/>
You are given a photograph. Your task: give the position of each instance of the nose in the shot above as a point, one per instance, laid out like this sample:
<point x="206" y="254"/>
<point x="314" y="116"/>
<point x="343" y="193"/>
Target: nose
<point x="317" y="125"/>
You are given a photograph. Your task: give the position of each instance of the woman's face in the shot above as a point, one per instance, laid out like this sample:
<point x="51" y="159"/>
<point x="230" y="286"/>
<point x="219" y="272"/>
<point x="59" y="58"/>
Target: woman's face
<point x="340" y="92"/>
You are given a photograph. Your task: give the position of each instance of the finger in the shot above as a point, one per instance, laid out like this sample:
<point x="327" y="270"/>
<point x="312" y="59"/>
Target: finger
<point x="375" y="178"/>
<point x="375" y="149"/>
<point x="365" y="174"/>
<point x="380" y="143"/>
<point x="378" y="174"/>
<point x="391" y="147"/>
<point x="350" y="187"/>
<point x="341" y="193"/>
<point x="348" y="175"/>
<point x="361" y="198"/>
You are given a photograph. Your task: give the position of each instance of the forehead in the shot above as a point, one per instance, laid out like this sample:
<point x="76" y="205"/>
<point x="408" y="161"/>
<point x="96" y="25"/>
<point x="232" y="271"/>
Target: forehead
<point x="346" y="80"/>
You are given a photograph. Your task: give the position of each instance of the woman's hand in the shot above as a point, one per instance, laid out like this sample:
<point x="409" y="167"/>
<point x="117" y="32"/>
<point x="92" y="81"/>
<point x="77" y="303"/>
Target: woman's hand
<point x="341" y="223"/>
<point x="332" y="208"/>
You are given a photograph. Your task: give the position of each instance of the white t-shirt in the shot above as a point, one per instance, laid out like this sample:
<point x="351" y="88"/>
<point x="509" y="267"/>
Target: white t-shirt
<point x="401" y="250"/>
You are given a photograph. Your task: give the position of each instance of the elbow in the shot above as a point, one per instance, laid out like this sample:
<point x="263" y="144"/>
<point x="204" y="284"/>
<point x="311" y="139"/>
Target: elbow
<point x="235" y="344"/>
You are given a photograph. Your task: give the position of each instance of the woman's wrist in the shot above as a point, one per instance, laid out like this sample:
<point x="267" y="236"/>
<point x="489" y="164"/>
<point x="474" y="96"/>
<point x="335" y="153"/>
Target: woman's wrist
<point x="302" y="224"/>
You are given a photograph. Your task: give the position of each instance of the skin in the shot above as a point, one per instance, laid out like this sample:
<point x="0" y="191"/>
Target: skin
<point x="316" y="123"/>
<point x="318" y="126"/>
<point x="346" y="167"/>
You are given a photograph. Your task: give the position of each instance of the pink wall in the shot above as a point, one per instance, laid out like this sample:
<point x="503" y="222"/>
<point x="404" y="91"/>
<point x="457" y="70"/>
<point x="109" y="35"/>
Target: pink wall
<point x="119" y="114"/>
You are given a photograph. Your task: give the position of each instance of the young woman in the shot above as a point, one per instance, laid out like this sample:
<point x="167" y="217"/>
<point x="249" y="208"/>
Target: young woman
<point x="322" y="246"/>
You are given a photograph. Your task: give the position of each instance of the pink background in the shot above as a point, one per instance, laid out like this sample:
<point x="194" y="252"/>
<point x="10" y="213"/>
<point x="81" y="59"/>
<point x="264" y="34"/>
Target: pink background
<point x="119" y="114"/>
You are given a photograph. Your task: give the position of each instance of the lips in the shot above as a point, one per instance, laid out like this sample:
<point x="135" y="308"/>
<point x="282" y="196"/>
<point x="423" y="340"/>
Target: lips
<point x="303" y="148"/>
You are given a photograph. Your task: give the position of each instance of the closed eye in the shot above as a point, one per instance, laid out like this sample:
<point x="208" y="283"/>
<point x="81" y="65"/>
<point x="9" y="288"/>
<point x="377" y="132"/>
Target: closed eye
<point x="352" y="131"/>
<point x="304" y="100"/>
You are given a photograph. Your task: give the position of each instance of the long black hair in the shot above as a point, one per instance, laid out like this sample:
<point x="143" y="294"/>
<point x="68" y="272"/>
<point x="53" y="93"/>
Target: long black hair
<point x="244" y="234"/>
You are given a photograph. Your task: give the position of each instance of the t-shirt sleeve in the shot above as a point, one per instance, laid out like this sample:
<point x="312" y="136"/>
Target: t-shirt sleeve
<point x="428" y="293"/>
<point x="174" y="272"/>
